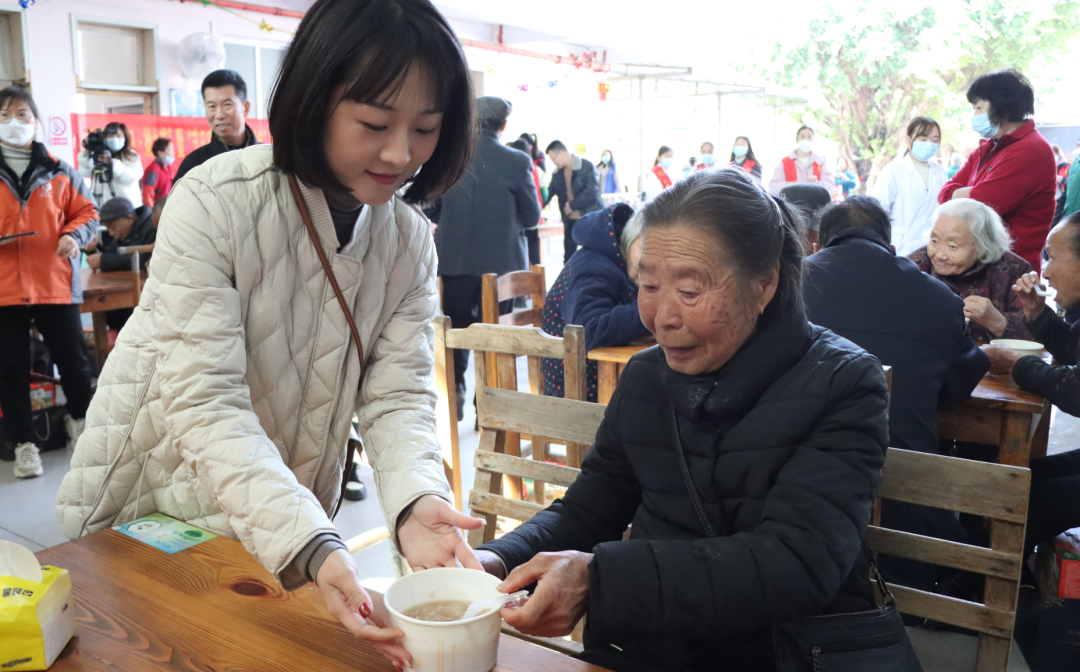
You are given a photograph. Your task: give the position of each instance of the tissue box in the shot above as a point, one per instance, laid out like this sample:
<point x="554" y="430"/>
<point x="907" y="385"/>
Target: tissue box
<point x="1058" y="566"/>
<point x="37" y="615"/>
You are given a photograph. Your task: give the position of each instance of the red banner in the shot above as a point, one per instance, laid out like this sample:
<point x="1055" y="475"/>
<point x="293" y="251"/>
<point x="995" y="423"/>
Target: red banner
<point x="187" y="133"/>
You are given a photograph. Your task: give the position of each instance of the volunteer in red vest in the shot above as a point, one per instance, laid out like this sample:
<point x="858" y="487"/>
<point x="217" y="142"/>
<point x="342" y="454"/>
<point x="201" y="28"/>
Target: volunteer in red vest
<point x="708" y="158"/>
<point x="802" y="165"/>
<point x="158" y="178"/>
<point x="1013" y="171"/>
<point x="662" y="175"/>
<point x="742" y="156"/>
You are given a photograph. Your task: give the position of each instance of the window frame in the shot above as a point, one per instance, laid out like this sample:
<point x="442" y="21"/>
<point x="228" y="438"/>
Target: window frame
<point x="24" y="73"/>
<point x="257" y="99"/>
<point x="150" y="50"/>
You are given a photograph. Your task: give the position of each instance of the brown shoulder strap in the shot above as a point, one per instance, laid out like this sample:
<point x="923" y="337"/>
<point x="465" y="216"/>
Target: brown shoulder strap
<point x="305" y="215"/>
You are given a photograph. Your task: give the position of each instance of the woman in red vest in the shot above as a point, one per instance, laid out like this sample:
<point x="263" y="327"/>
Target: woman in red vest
<point x="1013" y="171"/>
<point x="742" y="156"/>
<point x="802" y="165"/>
<point x="661" y="176"/>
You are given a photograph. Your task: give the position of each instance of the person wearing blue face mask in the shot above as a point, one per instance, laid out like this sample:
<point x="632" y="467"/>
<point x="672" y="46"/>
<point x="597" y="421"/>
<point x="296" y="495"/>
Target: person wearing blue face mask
<point x="743" y="157"/>
<point x="662" y="174"/>
<point x="608" y="174"/>
<point x="802" y="165"/>
<point x="1013" y="171"/>
<point x="127" y="167"/>
<point x="708" y="158"/>
<point x="908" y="187"/>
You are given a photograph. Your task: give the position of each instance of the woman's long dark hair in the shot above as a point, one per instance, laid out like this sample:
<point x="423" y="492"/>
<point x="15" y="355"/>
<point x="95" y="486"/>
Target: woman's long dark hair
<point x="535" y="152"/>
<point x="749" y="150"/>
<point x="366" y="49"/>
<point x="126" y="152"/>
<point x="600" y="164"/>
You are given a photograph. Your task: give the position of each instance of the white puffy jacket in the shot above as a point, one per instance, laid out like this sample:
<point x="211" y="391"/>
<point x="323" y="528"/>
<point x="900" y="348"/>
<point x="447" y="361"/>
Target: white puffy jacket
<point x="228" y="398"/>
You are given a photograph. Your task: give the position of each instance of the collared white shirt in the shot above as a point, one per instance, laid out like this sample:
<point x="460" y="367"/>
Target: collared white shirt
<point x="910" y="201"/>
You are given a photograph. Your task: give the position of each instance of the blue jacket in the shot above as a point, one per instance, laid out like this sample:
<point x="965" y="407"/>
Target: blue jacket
<point x="858" y="288"/>
<point x="593" y="290"/>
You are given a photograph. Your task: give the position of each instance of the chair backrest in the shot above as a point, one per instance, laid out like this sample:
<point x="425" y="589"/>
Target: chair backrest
<point x="494" y="289"/>
<point x="506" y="413"/>
<point x="136" y="267"/>
<point x="994" y="491"/>
<point x="504" y="344"/>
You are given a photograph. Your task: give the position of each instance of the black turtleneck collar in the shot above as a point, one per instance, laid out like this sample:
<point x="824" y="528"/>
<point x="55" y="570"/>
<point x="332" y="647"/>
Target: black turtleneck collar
<point x="722" y="397"/>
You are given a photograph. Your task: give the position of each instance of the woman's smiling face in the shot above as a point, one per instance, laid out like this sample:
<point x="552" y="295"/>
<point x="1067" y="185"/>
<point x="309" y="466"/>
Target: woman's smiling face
<point x="374" y="148"/>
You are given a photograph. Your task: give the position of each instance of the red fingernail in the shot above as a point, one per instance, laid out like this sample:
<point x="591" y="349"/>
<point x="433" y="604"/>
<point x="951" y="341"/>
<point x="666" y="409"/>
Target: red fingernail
<point x="365" y="610"/>
<point x="398" y="665"/>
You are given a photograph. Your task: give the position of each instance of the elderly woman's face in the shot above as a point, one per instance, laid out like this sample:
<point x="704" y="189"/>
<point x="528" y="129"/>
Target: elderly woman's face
<point x="633" y="256"/>
<point x="692" y="302"/>
<point x="952" y="247"/>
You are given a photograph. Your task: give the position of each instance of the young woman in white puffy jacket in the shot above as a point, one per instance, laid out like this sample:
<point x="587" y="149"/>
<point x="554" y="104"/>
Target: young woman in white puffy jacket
<point x="228" y="399"/>
<point x="125" y="165"/>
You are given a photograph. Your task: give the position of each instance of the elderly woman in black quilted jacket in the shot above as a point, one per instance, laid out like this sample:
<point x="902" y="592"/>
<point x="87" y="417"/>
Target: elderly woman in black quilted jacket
<point x="783" y="432"/>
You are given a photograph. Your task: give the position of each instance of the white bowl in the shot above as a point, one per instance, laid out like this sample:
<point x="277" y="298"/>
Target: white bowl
<point x="1017" y="344"/>
<point x="454" y="646"/>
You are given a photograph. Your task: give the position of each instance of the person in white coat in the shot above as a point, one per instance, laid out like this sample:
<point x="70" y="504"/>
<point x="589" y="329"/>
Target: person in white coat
<point x="293" y="286"/>
<point x="125" y="165"/>
<point x="662" y="175"/>
<point x="908" y="186"/>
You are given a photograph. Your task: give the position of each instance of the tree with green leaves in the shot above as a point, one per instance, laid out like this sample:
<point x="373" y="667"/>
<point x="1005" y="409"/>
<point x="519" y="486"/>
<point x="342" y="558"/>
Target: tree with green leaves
<point x="874" y="65"/>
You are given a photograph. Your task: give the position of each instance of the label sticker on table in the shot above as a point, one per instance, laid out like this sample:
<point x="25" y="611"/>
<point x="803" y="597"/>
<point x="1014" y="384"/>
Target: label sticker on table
<point x="164" y="532"/>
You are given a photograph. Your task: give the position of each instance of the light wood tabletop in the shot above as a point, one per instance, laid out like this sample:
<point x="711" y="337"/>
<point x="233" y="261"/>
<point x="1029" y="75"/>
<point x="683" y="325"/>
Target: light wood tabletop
<point x="212" y="607"/>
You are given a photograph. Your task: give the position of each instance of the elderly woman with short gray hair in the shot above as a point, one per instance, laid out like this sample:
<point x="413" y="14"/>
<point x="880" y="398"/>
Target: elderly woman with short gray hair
<point x="969" y="250"/>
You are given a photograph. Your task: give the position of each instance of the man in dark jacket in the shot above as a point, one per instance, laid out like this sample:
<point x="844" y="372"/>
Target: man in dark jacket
<point x="482" y="224"/>
<point x="1055" y="480"/>
<point x="583" y="196"/>
<point x="127" y="226"/>
<point x="225" y="96"/>
<point x="857" y="287"/>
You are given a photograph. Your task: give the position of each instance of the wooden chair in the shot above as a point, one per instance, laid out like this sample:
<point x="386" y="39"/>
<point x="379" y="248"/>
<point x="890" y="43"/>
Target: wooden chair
<point x="505" y="413"/>
<point x="136" y="272"/>
<point x="495" y="289"/>
<point x="995" y="491"/>
<point x="504" y="344"/>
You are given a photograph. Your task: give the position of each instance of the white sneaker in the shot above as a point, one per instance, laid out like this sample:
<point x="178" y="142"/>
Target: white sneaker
<point x="74" y="428"/>
<point x="27" y="461"/>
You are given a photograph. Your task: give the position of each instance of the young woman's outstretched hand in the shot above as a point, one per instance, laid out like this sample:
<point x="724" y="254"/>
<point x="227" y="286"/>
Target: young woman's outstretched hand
<point x="431" y="536"/>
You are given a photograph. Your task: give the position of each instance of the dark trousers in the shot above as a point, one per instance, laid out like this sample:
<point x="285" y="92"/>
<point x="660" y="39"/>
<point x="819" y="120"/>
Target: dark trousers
<point x="532" y="237"/>
<point x="569" y="246"/>
<point x="462" y="303"/>
<point x="62" y="330"/>
<point x="1054" y="505"/>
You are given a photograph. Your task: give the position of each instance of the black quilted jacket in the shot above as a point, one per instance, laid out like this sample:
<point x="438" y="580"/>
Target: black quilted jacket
<point x="784" y="443"/>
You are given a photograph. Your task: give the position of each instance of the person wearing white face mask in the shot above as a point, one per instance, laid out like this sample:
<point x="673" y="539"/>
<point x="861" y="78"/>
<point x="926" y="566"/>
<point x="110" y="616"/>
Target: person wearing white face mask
<point x="909" y="185"/>
<point x="661" y="176"/>
<point x="802" y="165"/>
<point x="1013" y="171"/>
<point x="46" y="203"/>
<point x="158" y="179"/>
<point x="127" y="167"/>
<point x="608" y="174"/>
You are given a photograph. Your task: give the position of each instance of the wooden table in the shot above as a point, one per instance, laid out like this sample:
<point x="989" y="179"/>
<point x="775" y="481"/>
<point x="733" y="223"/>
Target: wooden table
<point x="998" y="413"/>
<point x="107" y="291"/>
<point x="611" y="362"/>
<point x="212" y="607"/>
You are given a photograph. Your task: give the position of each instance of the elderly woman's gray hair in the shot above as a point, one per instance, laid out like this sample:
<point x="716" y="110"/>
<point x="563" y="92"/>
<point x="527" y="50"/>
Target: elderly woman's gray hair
<point x="631" y="232"/>
<point x="991" y="238"/>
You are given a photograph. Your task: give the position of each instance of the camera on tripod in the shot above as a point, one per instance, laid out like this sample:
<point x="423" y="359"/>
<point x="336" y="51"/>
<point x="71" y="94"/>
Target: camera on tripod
<point x="99" y="153"/>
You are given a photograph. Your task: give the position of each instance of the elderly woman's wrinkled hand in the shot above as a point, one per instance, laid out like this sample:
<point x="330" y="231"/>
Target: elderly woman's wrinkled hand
<point x="1002" y="359"/>
<point x="1027" y="296"/>
<point x="560" y="598"/>
<point x="430" y="536"/>
<point x="980" y="310"/>
<point x="492" y="564"/>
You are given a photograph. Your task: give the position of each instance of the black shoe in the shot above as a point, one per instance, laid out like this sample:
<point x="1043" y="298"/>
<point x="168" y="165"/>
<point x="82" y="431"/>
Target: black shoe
<point x="355" y="491"/>
<point x="460" y="402"/>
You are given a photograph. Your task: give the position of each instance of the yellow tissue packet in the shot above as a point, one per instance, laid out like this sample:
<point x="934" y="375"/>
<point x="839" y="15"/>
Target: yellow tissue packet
<point x="37" y="615"/>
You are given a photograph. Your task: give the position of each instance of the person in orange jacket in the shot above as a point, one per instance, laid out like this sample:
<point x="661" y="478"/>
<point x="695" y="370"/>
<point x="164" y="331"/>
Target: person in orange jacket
<point x="39" y="273"/>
